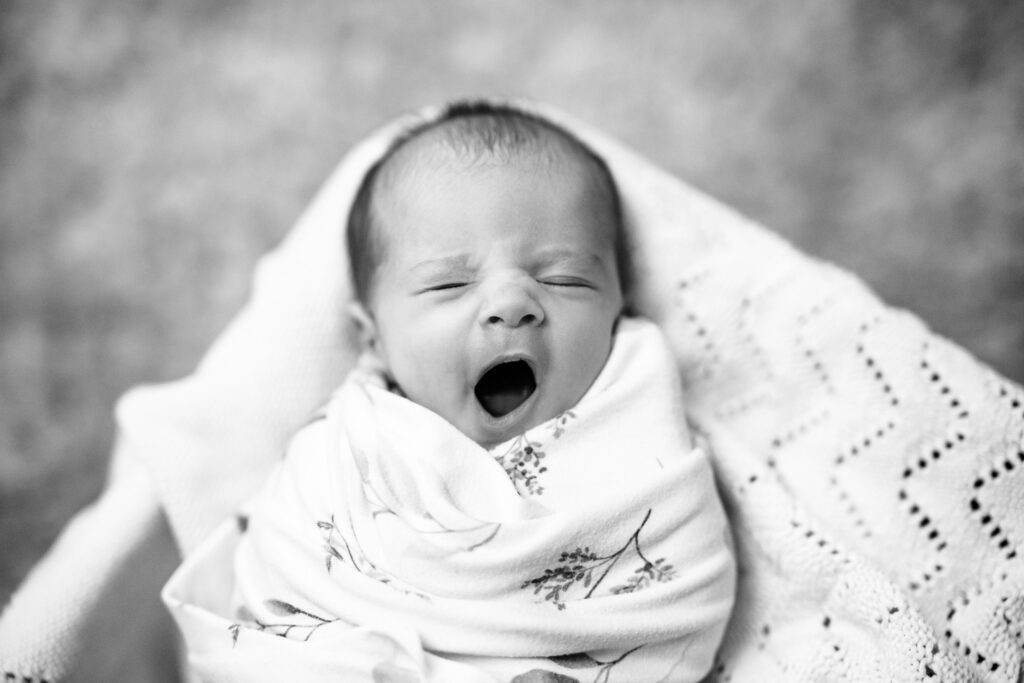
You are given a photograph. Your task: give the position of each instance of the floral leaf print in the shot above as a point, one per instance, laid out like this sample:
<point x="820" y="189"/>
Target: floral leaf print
<point x="522" y="463"/>
<point x="658" y="571"/>
<point x="337" y="548"/>
<point x="523" y="459"/>
<point x="574" y="567"/>
<point x="285" y="609"/>
<point x="330" y="552"/>
<point x="558" y="423"/>
<point x="578" y="569"/>
<point x="282" y="629"/>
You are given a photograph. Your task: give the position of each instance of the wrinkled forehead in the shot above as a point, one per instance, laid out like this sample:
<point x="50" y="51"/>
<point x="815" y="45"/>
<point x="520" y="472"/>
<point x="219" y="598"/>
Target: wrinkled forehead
<point x="440" y="153"/>
<point x="450" y="147"/>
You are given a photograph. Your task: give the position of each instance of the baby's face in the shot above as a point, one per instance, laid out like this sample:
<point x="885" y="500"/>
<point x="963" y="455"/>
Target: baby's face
<point x="496" y="301"/>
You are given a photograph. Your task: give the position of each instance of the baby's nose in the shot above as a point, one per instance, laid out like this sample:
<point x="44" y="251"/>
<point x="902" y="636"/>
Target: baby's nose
<point x="512" y="305"/>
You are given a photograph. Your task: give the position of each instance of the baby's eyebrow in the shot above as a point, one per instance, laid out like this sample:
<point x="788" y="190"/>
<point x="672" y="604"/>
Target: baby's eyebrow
<point x="445" y="264"/>
<point x="568" y="257"/>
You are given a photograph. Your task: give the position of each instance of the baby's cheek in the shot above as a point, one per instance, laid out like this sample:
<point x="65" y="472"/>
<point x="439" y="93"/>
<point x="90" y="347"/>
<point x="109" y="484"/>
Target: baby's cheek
<point x="435" y="369"/>
<point x="587" y="359"/>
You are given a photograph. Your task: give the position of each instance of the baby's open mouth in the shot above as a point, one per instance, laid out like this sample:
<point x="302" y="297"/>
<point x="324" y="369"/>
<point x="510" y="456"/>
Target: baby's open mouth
<point x="505" y="387"/>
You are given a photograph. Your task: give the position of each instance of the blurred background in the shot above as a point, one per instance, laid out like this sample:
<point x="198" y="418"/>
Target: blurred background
<point x="150" y="151"/>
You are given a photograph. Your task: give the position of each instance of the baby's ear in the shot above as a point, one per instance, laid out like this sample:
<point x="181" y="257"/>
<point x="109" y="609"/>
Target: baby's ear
<point x="366" y="329"/>
<point x="372" y="360"/>
<point x="372" y="357"/>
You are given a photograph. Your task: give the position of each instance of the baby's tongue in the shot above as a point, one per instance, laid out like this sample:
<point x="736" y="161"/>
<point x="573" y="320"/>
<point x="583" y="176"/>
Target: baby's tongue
<point x="505" y="387"/>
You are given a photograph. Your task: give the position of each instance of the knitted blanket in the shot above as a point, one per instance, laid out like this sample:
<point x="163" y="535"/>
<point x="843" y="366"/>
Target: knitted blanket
<point x="871" y="470"/>
<point x="592" y="546"/>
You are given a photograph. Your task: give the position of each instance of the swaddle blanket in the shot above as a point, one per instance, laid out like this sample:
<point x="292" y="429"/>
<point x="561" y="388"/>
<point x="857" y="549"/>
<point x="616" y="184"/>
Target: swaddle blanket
<point x="592" y="546"/>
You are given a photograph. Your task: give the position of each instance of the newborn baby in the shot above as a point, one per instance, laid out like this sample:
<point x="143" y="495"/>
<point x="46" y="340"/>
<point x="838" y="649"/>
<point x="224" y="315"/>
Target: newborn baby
<point x="505" y="488"/>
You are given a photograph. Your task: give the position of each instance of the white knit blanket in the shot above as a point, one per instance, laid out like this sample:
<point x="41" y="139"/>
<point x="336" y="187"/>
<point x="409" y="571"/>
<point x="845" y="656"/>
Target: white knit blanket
<point x="872" y="471"/>
<point x="593" y="546"/>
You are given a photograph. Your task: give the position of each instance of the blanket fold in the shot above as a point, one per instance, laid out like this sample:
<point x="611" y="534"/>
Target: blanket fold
<point x="593" y="541"/>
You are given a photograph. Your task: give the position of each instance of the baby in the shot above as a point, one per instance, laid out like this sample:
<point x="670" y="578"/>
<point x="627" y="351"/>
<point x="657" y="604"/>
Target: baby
<point x="505" y="488"/>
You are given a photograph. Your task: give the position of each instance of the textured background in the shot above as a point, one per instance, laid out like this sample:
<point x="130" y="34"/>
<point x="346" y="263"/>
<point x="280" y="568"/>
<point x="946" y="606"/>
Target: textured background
<point x="150" y="151"/>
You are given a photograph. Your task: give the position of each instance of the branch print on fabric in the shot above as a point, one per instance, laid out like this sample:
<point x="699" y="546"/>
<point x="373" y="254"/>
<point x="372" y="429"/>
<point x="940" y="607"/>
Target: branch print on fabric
<point x="306" y="622"/>
<point x="522" y="460"/>
<point x="337" y="549"/>
<point x="584" y="568"/>
<point x="522" y="463"/>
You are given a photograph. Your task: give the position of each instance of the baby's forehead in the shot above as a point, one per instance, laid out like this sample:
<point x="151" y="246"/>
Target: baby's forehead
<point x="455" y="148"/>
<point x="431" y="173"/>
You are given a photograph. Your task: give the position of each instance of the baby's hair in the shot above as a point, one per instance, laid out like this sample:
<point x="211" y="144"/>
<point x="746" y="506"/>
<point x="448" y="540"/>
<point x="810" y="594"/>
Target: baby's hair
<point x="477" y="131"/>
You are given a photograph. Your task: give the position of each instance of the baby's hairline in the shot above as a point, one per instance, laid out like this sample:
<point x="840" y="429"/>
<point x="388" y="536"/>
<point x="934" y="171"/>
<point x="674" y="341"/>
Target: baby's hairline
<point x="439" y="142"/>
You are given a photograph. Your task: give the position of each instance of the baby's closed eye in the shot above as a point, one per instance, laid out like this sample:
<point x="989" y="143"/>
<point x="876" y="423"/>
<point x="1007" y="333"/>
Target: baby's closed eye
<point x="565" y="281"/>
<point x="443" y="286"/>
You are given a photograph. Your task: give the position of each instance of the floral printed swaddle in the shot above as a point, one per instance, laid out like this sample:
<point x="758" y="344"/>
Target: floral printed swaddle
<point x="389" y="546"/>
